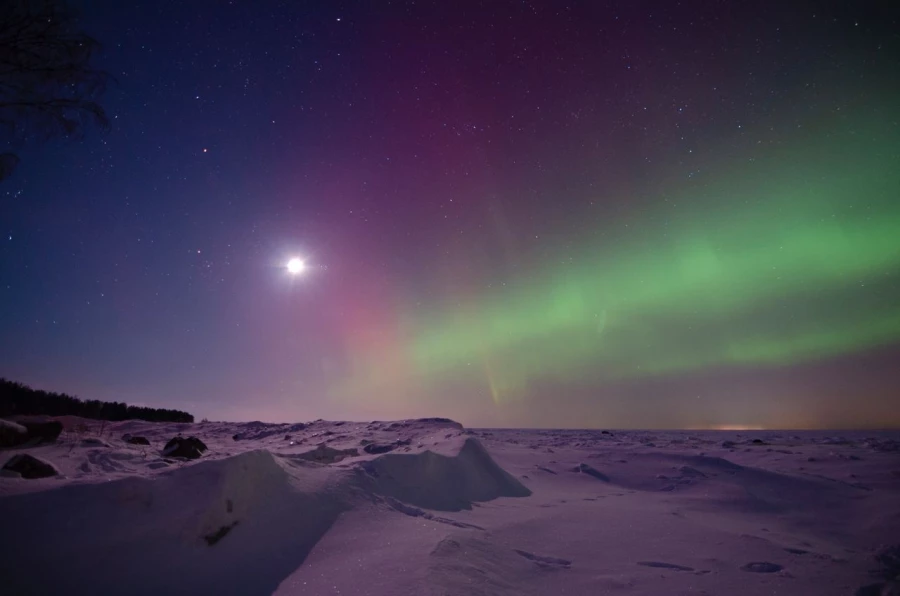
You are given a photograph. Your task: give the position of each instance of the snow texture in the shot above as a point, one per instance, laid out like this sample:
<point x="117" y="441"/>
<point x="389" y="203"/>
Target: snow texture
<point x="432" y="508"/>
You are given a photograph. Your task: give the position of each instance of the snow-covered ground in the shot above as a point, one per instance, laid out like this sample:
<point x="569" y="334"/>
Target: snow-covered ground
<point x="432" y="508"/>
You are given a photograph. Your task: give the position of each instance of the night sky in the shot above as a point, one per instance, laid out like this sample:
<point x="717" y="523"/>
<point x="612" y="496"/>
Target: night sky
<point x="576" y="214"/>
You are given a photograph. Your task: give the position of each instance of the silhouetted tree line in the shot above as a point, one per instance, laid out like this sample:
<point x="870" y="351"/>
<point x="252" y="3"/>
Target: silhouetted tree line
<point x="20" y="399"/>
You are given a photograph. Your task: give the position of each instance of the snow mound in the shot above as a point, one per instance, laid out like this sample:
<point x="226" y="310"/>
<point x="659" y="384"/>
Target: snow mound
<point x="230" y="524"/>
<point x="318" y="513"/>
<point x="442" y="482"/>
<point x="203" y="524"/>
<point x="717" y="485"/>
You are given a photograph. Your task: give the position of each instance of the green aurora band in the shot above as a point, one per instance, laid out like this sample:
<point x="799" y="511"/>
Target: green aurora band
<point x="789" y="258"/>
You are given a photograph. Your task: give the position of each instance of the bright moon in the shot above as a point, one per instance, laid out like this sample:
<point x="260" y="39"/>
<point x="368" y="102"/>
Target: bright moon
<point x="295" y="266"/>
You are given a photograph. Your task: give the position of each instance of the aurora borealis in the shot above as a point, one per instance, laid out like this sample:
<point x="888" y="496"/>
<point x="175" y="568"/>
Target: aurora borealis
<point x="529" y="214"/>
<point x="804" y="265"/>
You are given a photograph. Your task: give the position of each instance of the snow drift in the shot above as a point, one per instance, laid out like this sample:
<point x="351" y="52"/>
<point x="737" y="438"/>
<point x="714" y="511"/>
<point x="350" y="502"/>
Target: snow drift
<point x="446" y="483"/>
<point x="235" y="525"/>
<point x="426" y="507"/>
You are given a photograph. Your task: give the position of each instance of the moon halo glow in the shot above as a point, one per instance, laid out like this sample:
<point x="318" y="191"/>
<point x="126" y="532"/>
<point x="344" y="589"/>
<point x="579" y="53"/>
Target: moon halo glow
<point x="295" y="266"/>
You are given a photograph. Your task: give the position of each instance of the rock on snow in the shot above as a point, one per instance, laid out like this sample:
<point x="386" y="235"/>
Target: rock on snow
<point x="29" y="466"/>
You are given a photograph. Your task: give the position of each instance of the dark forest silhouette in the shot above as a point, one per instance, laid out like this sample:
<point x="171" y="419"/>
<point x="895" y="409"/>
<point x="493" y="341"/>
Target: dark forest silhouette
<point x="20" y="399"/>
<point x="47" y="85"/>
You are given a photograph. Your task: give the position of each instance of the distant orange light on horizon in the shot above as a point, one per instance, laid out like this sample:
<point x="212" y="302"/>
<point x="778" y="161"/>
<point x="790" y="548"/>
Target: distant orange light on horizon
<point x="733" y="427"/>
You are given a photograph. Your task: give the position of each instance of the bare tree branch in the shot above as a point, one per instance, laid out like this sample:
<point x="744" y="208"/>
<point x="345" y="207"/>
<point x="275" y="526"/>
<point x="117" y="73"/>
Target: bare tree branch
<point x="47" y="86"/>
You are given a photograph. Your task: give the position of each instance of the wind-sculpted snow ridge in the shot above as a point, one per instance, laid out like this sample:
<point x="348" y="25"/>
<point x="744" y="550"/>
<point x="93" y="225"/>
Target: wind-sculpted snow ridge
<point x="229" y="526"/>
<point x="234" y="523"/>
<point x="445" y="483"/>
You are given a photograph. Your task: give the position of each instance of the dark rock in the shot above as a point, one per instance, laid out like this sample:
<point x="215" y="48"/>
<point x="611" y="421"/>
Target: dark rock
<point x="727" y="444"/>
<point x="190" y="448"/>
<point x="46" y="432"/>
<point x="287" y="437"/>
<point x="758" y="442"/>
<point x="30" y="467"/>
<point x="375" y="448"/>
<point x="236" y="437"/>
<point x="137" y="441"/>
<point x="605" y="432"/>
<point x="182" y="450"/>
<point x="12" y="433"/>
